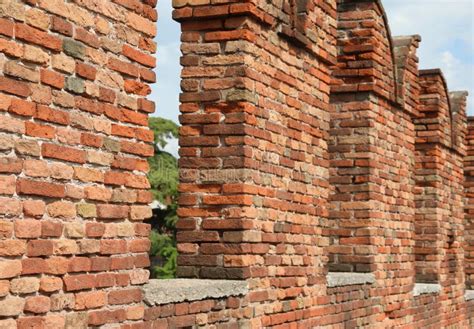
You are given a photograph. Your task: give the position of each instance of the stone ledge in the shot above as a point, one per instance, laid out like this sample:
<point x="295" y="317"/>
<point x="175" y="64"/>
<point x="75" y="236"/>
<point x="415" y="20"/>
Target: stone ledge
<point x="158" y="292"/>
<point x="469" y="295"/>
<point x="426" y="288"/>
<point x="340" y="279"/>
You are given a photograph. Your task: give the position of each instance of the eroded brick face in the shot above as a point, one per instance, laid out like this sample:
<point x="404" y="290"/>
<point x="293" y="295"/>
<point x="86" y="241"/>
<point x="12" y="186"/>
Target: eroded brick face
<point x="310" y="142"/>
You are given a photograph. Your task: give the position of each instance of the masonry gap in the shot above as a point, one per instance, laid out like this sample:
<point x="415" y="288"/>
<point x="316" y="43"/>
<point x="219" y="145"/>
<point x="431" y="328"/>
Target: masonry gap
<point x="163" y="165"/>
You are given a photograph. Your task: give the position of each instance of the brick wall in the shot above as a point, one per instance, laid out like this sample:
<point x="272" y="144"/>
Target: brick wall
<point x="469" y="210"/>
<point x="310" y="143"/>
<point x="73" y="142"/>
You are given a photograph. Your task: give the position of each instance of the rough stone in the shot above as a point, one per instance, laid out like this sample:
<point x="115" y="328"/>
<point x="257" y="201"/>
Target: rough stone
<point x="75" y="85"/>
<point x="158" y="292"/>
<point x="426" y="288"/>
<point x="74" y="48"/>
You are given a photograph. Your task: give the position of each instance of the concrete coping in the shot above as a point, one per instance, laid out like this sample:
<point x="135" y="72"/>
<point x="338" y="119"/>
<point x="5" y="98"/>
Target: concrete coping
<point x="165" y="291"/>
<point x="340" y="279"/>
<point x="469" y="295"/>
<point x="426" y="288"/>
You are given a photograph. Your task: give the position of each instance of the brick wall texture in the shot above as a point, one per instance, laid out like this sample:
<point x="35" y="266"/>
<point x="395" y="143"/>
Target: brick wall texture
<point x="310" y="142"/>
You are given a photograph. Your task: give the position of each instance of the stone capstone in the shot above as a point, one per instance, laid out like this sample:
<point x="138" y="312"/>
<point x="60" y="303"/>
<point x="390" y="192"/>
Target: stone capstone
<point x="158" y="292"/>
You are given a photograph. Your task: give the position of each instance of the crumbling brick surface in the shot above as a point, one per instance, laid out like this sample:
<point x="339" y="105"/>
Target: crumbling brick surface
<point x="310" y="142"/>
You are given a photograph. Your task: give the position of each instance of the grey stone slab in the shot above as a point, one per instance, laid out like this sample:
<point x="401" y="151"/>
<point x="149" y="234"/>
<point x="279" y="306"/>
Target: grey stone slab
<point x="340" y="279"/>
<point x="158" y="292"/>
<point x="426" y="288"/>
<point x="469" y="295"/>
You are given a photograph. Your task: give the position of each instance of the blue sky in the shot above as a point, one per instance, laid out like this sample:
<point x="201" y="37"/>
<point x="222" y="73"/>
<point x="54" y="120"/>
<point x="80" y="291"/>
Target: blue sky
<point x="446" y="28"/>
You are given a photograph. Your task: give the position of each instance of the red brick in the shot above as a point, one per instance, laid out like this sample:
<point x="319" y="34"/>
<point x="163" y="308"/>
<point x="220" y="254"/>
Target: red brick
<point x="123" y="67"/>
<point x="128" y="296"/>
<point x="112" y="211"/>
<point x="86" y="71"/>
<point x="101" y="317"/>
<point x="10" y="165"/>
<point x="137" y="88"/>
<point x="38" y="37"/>
<point x="86" y="37"/>
<point x="26" y="186"/>
<point x="41" y="131"/>
<point x="7" y="185"/>
<point x="138" y="56"/>
<point x="27" y="228"/>
<point x="79" y="282"/>
<point x="110" y="247"/>
<point x="38" y="304"/>
<point x="50" y="284"/>
<point x="63" y="153"/>
<point x="10" y="248"/>
<point x="104" y="280"/>
<point x="37" y="248"/>
<point x="22" y="107"/>
<point x="61" y="26"/>
<point x="52" y="79"/>
<point x="33" y="266"/>
<point x="139" y="245"/>
<point x="6" y="27"/>
<point x="51" y="115"/>
<point x="95" y="229"/>
<point x="88" y="300"/>
<point x="57" y="265"/>
<point x="79" y="264"/>
<point x="51" y="229"/>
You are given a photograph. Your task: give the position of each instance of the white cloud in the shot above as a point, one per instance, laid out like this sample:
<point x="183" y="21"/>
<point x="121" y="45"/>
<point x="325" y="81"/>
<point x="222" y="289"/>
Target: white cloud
<point x="447" y="31"/>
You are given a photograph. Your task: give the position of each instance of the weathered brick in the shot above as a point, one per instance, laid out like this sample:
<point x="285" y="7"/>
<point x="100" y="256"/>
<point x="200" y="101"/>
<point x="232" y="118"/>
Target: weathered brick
<point x="63" y="63"/>
<point x="27" y="228"/>
<point x="50" y="284"/>
<point x="21" y="107"/>
<point x="17" y="70"/>
<point x="63" y="153"/>
<point x="12" y="247"/>
<point x="33" y="208"/>
<point x="24" y="285"/>
<point x="36" y="55"/>
<point x="10" y="268"/>
<point x="40" y="131"/>
<point x="37" y="248"/>
<point x="112" y="211"/>
<point x="38" y="304"/>
<point x="52" y="79"/>
<point x="11" y="306"/>
<point x="88" y="300"/>
<point x="61" y="209"/>
<point x="10" y="207"/>
<point x="7" y="185"/>
<point x="79" y="282"/>
<point x="26" y="186"/>
<point x="30" y="34"/>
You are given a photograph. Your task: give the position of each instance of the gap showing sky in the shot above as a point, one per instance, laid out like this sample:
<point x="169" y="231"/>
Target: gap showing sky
<point x="445" y="26"/>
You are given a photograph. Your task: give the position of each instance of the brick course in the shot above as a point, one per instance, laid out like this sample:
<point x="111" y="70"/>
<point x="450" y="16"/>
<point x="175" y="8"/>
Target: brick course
<point x="310" y="142"/>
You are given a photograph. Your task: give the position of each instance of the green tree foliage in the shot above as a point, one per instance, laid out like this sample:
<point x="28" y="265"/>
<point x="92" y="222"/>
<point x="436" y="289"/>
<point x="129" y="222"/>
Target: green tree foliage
<point x="163" y="177"/>
<point x="163" y="246"/>
<point x="163" y="129"/>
